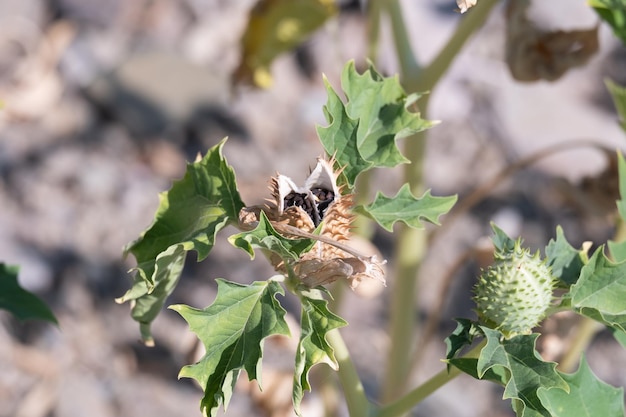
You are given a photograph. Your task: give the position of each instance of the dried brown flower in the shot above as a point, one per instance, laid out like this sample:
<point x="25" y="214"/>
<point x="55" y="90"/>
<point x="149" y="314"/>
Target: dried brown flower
<point x="296" y="212"/>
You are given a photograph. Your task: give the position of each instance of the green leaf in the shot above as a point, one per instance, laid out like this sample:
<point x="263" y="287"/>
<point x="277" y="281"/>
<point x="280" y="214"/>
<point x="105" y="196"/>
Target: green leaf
<point x="381" y="107"/>
<point x="602" y="286"/>
<point x="614" y="13"/>
<point x="464" y="334"/>
<point x="275" y="27"/>
<point x="405" y="207"/>
<point x="316" y="321"/>
<point x="600" y="291"/>
<point x="265" y="237"/>
<point x="527" y="372"/>
<point x="618" y="93"/>
<point x="565" y="261"/>
<point x="501" y="240"/>
<point x="496" y="374"/>
<point x="362" y="134"/>
<point x="617" y="250"/>
<point x="232" y="330"/>
<point x="588" y="396"/>
<point x="339" y="138"/>
<point x="620" y="336"/>
<point x="23" y="304"/>
<point x="188" y="218"/>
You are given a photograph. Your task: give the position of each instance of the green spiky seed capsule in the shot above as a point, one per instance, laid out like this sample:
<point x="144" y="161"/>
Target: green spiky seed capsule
<point x="513" y="294"/>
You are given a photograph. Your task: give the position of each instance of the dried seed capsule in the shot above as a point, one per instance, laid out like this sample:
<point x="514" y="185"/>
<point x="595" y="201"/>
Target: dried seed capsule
<point x="318" y="203"/>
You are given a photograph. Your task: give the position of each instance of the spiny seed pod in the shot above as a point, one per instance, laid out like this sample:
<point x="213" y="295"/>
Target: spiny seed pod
<point x="514" y="293"/>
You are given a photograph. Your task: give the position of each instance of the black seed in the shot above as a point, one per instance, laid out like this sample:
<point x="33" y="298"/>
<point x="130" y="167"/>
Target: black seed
<point x="324" y="198"/>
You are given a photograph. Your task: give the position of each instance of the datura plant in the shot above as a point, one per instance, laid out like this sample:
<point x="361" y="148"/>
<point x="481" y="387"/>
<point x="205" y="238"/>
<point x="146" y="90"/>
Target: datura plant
<point x="303" y="230"/>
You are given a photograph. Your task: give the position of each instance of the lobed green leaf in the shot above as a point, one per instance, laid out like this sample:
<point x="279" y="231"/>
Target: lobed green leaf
<point x="565" y="261"/>
<point x="362" y="134"/>
<point x="588" y="396"/>
<point x="23" y="304"/>
<point x="463" y="335"/>
<point x="339" y="138"/>
<point x="526" y="371"/>
<point x="189" y="216"/>
<point x="232" y="330"/>
<point x="600" y="293"/>
<point x="316" y="321"/>
<point x="407" y="208"/>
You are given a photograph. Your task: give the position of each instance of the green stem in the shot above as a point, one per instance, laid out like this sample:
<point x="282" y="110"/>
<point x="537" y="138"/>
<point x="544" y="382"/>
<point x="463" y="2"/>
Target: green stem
<point x="411" y="399"/>
<point x="358" y="404"/>
<point x="469" y="23"/>
<point x="373" y="28"/>
<point x="412" y="243"/>
<point x="404" y="51"/>
<point x="586" y="330"/>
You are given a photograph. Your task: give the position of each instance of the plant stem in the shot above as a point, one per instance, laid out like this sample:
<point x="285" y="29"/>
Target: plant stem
<point x="411" y="399"/>
<point x="468" y="24"/>
<point x="411" y="244"/>
<point x="586" y="330"/>
<point x="404" y="51"/>
<point x="358" y="404"/>
<point x="373" y="29"/>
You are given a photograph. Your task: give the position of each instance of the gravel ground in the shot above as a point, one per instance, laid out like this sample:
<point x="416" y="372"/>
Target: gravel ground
<point x="104" y="104"/>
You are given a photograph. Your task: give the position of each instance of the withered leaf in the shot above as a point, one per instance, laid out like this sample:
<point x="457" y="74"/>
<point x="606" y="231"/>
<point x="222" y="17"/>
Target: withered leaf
<point x="533" y="54"/>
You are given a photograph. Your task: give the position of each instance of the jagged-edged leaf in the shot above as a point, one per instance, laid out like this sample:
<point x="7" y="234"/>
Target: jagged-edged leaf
<point x="615" y="321"/>
<point x="527" y="371"/>
<point x="464" y="334"/>
<point x="502" y="242"/>
<point x="407" y="208"/>
<point x="232" y="330"/>
<point x="265" y="237"/>
<point x="339" y="138"/>
<point x="275" y="27"/>
<point x="188" y="218"/>
<point x="381" y="106"/>
<point x="316" y="321"/>
<point x="565" y="261"/>
<point x="362" y="134"/>
<point x="601" y="286"/>
<point x="619" y="99"/>
<point x="496" y="374"/>
<point x="614" y="13"/>
<point x="16" y="300"/>
<point x="588" y="396"/>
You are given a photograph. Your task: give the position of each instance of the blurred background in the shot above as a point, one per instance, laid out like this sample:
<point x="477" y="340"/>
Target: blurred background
<point x="104" y="102"/>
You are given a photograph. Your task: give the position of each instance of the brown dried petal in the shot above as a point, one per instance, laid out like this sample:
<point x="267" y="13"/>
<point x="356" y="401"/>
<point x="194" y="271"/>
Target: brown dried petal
<point x="465" y="5"/>
<point x="533" y="54"/>
<point x="314" y="272"/>
<point x="369" y="268"/>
